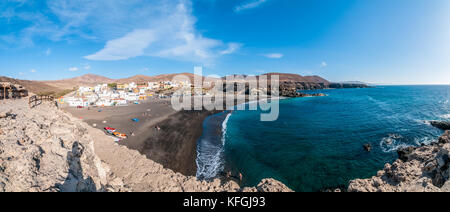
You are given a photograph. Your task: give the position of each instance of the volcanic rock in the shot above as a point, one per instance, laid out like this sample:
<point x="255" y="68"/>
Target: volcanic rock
<point x="443" y="125"/>
<point x="422" y="169"/>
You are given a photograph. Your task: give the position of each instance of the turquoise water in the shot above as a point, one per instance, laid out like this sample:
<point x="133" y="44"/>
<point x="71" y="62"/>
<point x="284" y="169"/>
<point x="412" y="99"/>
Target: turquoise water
<point x="317" y="142"/>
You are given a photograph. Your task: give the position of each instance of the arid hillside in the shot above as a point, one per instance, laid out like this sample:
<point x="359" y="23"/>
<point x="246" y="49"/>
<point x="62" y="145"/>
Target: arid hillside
<point x="33" y="86"/>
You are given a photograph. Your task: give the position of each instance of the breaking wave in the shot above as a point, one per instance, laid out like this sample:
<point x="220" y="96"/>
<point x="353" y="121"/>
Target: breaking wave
<point x="210" y="154"/>
<point x="392" y="142"/>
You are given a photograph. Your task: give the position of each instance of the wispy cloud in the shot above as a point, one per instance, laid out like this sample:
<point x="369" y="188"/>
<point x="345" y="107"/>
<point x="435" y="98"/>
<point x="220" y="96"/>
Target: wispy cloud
<point x="158" y="28"/>
<point x="33" y="70"/>
<point x="73" y="69"/>
<point x="274" y="55"/>
<point x="323" y="64"/>
<point x="172" y="36"/>
<point x="232" y="47"/>
<point x="48" y="52"/>
<point x="249" y="5"/>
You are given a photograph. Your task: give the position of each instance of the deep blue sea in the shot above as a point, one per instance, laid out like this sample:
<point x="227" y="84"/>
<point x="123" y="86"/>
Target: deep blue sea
<point x="317" y="143"/>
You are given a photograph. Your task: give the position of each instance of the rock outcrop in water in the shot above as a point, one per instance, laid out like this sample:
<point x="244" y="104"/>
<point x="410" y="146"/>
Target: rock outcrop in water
<point x="292" y="88"/>
<point x="419" y="169"/>
<point x="292" y="92"/>
<point x="45" y="149"/>
<point x="443" y="125"/>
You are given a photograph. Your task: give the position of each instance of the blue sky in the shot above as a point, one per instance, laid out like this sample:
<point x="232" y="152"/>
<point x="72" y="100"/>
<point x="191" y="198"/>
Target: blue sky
<point x="379" y="41"/>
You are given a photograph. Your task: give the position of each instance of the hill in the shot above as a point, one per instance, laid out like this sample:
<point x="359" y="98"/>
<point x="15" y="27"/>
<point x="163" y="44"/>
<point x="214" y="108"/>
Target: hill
<point x="84" y="80"/>
<point x="158" y="78"/>
<point x="33" y="86"/>
<point x="298" y="78"/>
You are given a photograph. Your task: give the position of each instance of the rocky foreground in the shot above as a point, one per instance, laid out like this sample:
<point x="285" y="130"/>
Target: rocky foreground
<point x="45" y="149"/>
<point x="421" y="169"/>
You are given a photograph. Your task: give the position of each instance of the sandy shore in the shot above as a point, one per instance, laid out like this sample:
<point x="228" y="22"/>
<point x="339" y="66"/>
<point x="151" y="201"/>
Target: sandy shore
<point x="174" y="145"/>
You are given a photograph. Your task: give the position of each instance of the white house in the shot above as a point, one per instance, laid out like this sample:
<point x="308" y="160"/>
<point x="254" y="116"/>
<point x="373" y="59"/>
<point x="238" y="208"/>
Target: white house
<point x="75" y="102"/>
<point x="132" y="97"/>
<point x="84" y="89"/>
<point x="132" y="86"/>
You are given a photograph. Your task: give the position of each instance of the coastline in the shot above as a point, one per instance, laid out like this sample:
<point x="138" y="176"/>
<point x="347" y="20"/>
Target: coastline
<point x="174" y="145"/>
<point x="210" y="147"/>
<point x="418" y="169"/>
<point x="49" y="150"/>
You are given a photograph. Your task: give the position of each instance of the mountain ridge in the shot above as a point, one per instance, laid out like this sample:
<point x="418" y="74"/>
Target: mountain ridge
<point x="295" y="80"/>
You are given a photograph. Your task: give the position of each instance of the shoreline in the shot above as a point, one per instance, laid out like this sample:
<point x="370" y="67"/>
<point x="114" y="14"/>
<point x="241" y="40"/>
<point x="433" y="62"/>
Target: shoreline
<point x="174" y="145"/>
<point x="417" y="169"/>
<point x="49" y="150"/>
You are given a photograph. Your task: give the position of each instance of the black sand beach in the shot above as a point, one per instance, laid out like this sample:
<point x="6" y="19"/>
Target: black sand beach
<point x="174" y="145"/>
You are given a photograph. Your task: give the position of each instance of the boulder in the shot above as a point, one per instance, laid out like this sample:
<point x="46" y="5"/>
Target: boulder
<point x="368" y="147"/>
<point x="445" y="138"/>
<point x="271" y="185"/>
<point x="443" y="125"/>
<point x="404" y="153"/>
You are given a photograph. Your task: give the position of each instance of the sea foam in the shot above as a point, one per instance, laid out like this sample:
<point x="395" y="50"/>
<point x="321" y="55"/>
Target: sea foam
<point x="210" y="156"/>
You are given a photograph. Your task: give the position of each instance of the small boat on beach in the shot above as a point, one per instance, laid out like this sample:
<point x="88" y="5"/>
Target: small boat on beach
<point x="120" y="135"/>
<point x="110" y="130"/>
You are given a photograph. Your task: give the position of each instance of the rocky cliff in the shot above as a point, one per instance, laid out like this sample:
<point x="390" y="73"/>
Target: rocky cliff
<point x="45" y="149"/>
<point x="421" y="169"/>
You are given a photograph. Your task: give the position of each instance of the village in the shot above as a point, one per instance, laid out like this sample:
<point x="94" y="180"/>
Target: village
<point x="120" y="94"/>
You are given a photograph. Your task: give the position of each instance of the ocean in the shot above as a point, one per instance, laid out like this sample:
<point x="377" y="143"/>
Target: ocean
<point x="317" y="143"/>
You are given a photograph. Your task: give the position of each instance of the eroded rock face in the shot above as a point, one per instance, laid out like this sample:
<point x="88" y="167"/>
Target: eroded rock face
<point x="45" y="149"/>
<point x="419" y="169"/>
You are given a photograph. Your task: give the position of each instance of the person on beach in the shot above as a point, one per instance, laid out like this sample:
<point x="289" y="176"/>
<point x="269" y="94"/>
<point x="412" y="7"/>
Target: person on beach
<point x="240" y="177"/>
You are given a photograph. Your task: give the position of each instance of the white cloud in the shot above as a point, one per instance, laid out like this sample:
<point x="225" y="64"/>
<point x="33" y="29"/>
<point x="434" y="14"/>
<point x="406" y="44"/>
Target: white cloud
<point x="21" y="74"/>
<point x="33" y="70"/>
<point x="249" y="5"/>
<point x="131" y="45"/>
<point x="274" y="56"/>
<point x="73" y="69"/>
<point x="232" y="47"/>
<point x="323" y="64"/>
<point x="87" y="67"/>
<point x="172" y="37"/>
<point x="127" y="29"/>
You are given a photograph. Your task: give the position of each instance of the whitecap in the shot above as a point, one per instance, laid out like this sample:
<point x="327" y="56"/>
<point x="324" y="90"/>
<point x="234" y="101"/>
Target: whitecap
<point x="224" y="127"/>
<point x="210" y="162"/>
<point x="445" y="116"/>
<point x="424" y="141"/>
<point x="392" y="143"/>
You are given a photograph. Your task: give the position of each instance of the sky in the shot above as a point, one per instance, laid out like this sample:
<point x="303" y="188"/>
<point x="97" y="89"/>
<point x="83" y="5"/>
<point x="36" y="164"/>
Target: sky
<point x="382" y="41"/>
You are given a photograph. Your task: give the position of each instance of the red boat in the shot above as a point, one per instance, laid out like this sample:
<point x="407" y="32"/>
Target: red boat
<point x="110" y="130"/>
